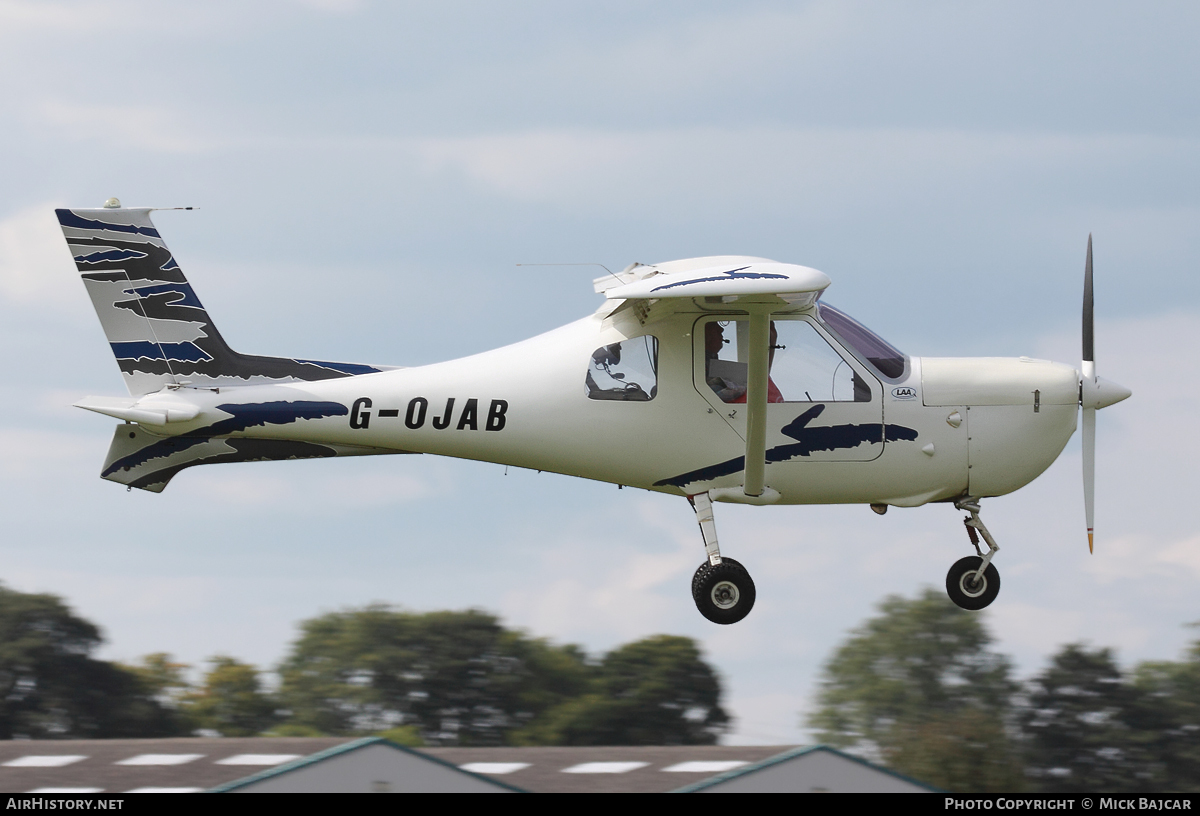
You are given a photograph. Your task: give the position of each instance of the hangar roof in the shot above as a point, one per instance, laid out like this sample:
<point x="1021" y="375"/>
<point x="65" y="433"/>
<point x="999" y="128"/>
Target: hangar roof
<point x="118" y="765"/>
<point x="197" y="764"/>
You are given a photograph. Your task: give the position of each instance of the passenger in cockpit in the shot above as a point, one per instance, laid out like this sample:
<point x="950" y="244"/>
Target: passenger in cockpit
<point x="727" y="388"/>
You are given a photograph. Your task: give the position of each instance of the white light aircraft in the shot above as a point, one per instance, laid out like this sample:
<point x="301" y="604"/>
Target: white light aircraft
<point x="718" y="379"/>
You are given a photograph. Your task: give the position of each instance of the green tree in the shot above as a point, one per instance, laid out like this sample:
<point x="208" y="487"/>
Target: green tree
<point x="655" y="691"/>
<point x="165" y="682"/>
<point x="1082" y="722"/>
<point x="162" y="676"/>
<point x="51" y="687"/>
<point x="457" y="677"/>
<point x="1167" y="718"/>
<point x="918" y="688"/>
<point x="231" y="700"/>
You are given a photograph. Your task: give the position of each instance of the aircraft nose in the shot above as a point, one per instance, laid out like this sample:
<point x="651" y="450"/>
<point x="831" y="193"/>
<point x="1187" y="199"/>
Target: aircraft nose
<point x="1109" y="393"/>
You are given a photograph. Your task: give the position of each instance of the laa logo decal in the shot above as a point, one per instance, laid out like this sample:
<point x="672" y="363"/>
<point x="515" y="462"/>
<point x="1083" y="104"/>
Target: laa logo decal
<point x="904" y="392"/>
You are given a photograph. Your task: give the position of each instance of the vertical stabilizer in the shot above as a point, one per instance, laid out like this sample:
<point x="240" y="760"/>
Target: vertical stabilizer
<point x="159" y="332"/>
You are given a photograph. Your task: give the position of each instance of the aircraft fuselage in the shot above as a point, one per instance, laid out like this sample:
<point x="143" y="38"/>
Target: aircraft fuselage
<point x="945" y="428"/>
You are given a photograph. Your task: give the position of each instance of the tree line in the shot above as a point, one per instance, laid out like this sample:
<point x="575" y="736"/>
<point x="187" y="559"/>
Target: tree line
<point x="440" y="678"/>
<point x="920" y="688"/>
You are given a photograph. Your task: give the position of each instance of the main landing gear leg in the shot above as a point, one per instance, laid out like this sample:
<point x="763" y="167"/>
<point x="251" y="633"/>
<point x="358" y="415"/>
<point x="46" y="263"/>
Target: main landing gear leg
<point x="721" y="587"/>
<point x="702" y="504"/>
<point x="973" y="582"/>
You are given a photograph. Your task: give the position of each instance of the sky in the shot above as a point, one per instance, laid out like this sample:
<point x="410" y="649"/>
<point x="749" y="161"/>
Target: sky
<point x="370" y="175"/>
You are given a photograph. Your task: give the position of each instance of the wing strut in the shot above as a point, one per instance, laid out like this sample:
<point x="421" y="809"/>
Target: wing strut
<point x="756" y="402"/>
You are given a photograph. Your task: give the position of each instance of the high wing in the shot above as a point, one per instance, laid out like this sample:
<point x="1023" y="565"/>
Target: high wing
<point x="757" y="286"/>
<point x="720" y="276"/>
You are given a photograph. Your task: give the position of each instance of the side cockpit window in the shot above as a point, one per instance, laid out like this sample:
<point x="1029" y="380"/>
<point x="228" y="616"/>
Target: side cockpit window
<point x="625" y="371"/>
<point x="802" y="366"/>
<point x="808" y="369"/>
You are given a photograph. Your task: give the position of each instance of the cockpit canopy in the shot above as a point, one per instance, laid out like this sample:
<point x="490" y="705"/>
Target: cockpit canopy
<point x="881" y="354"/>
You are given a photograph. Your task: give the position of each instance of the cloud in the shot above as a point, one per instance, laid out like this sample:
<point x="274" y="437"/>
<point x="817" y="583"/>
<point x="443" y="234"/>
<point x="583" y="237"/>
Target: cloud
<point x="258" y="486"/>
<point x="25" y="15"/>
<point x="759" y="719"/>
<point x="614" y="600"/>
<point x="120" y="593"/>
<point x="534" y="166"/>
<point x="148" y="127"/>
<point x="818" y="173"/>
<point x="333" y="6"/>
<point x="33" y="28"/>
<point x="32" y="456"/>
<point x="35" y="264"/>
<point x="1144" y="558"/>
<point x="1034" y="627"/>
<point x="1183" y="553"/>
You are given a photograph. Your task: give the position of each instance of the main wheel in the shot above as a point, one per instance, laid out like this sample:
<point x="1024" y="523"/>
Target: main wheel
<point x="704" y="567"/>
<point x="725" y="593"/>
<point x="969" y="590"/>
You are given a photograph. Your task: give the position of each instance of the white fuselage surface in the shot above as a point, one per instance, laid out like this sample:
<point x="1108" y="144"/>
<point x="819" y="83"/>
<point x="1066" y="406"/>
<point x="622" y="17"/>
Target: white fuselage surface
<point x="942" y="429"/>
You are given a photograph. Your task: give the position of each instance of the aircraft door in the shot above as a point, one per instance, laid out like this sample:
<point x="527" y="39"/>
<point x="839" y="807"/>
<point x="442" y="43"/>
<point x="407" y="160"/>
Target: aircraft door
<point x="823" y="405"/>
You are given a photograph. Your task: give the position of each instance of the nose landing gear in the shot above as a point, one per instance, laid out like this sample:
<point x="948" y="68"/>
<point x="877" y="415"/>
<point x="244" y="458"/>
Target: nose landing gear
<point x="967" y="588"/>
<point x="973" y="582"/>
<point x="721" y="587"/>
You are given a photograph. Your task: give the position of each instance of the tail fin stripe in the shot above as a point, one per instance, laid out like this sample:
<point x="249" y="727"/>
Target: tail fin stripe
<point x="109" y="255"/>
<point x="167" y="352"/>
<point x="105" y="277"/>
<point x="349" y="369"/>
<point x="153" y="342"/>
<point x="69" y="219"/>
<point x="187" y="297"/>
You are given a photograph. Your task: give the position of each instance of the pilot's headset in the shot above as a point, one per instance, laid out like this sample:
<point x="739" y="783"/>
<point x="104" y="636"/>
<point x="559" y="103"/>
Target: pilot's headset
<point x="606" y="356"/>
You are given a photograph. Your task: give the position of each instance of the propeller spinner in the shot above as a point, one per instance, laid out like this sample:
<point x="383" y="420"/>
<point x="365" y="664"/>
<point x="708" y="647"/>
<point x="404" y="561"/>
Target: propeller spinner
<point x="1094" y="393"/>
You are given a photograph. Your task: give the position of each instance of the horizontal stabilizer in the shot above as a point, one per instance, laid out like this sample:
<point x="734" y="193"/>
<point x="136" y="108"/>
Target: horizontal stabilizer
<point x="143" y="460"/>
<point x="140" y="410"/>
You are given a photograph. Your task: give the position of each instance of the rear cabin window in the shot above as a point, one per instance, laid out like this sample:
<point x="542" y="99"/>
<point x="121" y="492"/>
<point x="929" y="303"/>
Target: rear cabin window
<point x="625" y="371"/>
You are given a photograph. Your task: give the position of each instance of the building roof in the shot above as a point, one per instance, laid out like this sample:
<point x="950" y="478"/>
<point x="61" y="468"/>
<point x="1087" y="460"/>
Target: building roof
<point x="370" y="765"/>
<point x="231" y="763"/>
<point x="183" y="764"/>
<point x="816" y="769"/>
<point x="607" y="768"/>
<point x="196" y="764"/>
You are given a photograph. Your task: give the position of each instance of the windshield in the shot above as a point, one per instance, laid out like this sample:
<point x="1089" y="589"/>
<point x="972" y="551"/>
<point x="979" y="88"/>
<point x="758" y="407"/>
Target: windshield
<point x="877" y="351"/>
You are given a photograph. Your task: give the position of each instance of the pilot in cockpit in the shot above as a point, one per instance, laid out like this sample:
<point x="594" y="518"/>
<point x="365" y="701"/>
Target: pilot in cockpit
<point x="728" y="378"/>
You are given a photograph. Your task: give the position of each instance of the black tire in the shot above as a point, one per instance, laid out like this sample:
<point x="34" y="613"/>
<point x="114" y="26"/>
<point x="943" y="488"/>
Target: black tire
<point x="972" y="597"/>
<point x="700" y="570"/>
<point x="697" y="577"/>
<point x="725" y="593"/>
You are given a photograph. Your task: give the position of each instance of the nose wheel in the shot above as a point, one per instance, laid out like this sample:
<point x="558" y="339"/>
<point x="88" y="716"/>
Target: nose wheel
<point x="721" y="587"/>
<point x="973" y="582"/>
<point x="968" y="588"/>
